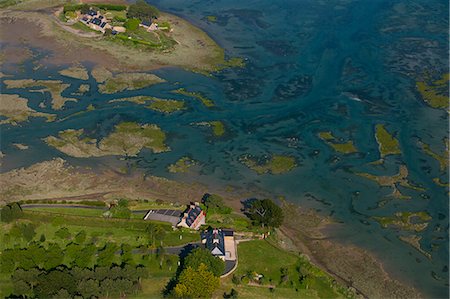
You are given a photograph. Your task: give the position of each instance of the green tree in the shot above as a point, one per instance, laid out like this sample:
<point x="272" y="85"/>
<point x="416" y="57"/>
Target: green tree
<point x="30" y="277"/>
<point x="22" y="288"/>
<point x="63" y="233"/>
<point x="10" y="212"/>
<point x="88" y="288"/>
<point x="28" y="231"/>
<point x="54" y="257"/>
<point x="120" y="212"/>
<point x="265" y="212"/>
<point x="80" y="237"/>
<point x="200" y="256"/>
<point x="106" y="255"/>
<point x="155" y="232"/>
<point x="132" y="24"/>
<point x="42" y="238"/>
<point x="127" y="255"/>
<point x="196" y="283"/>
<point x="142" y="11"/>
<point x="62" y="294"/>
<point x="214" y="204"/>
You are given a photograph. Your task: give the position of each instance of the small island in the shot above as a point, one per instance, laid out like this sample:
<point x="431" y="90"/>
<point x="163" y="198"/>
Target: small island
<point x="341" y="147"/>
<point x="157" y="104"/>
<point x="127" y="139"/>
<point x="275" y="164"/>
<point x="387" y="143"/>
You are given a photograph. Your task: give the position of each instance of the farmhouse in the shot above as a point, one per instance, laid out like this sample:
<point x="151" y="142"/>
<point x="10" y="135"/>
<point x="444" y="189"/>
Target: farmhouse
<point x="95" y="20"/>
<point x="193" y="217"/>
<point x="220" y="242"/>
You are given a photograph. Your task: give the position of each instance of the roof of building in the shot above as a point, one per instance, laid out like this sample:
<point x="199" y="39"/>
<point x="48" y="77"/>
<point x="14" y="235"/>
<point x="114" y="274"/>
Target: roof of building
<point x="214" y="241"/>
<point x="172" y="216"/>
<point x="146" y="23"/>
<point x="103" y="24"/>
<point x="192" y="214"/>
<point x="96" y="21"/>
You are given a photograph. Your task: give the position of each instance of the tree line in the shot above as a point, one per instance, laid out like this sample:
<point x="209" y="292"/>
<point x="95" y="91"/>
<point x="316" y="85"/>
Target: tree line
<point x="64" y="282"/>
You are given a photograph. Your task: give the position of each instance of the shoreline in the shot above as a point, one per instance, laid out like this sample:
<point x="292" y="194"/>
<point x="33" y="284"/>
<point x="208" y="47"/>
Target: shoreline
<point x="351" y="265"/>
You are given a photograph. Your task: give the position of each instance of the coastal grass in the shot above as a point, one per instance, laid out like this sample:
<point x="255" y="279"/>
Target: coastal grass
<point x="441" y="158"/>
<point x="128" y="81"/>
<point x="436" y="93"/>
<point x="182" y="165"/>
<point x="157" y="104"/>
<point x="218" y="128"/>
<point x="387" y="143"/>
<point x="197" y="95"/>
<point x="341" y="147"/>
<point x="411" y="221"/>
<point x="166" y="106"/>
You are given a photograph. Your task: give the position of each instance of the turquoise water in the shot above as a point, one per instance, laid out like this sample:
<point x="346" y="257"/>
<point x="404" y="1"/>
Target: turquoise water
<point x="339" y="66"/>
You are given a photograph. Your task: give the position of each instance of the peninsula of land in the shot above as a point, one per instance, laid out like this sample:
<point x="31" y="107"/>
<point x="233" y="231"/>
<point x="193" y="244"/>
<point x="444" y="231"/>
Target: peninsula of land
<point x="109" y="35"/>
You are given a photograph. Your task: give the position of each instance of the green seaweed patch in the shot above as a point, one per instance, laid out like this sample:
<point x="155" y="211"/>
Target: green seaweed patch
<point x="435" y="94"/>
<point x="54" y="87"/>
<point x="197" y="95"/>
<point x="128" y="81"/>
<point x="127" y="139"/>
<point x="211" y="18"/>
<point x="157" y="104"/>
<point x="182" y="165"/>
<point x="401" y="178"/>
<point x="276" y="164"/>
<point x="345" y="148"/>
<point x="412" y="221"/>
<point x="15" y="110"/>
<point x="441" y="158"/>
<point x="387" y="144"/>
<point x="77" y="72"/>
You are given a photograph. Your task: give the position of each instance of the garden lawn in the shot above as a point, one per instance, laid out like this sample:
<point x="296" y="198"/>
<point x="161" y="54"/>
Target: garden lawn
<point x="263" y="258"/>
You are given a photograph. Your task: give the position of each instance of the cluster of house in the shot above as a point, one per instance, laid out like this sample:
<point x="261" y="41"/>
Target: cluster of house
<point x="219" y="241"/>
<point x="95" y="20"/>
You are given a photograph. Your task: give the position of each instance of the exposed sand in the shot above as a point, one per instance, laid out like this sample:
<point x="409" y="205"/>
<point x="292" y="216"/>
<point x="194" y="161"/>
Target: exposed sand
<point x="77" y="72"/>
<point x="56" y="179"/>
<point x="16" y="110"/>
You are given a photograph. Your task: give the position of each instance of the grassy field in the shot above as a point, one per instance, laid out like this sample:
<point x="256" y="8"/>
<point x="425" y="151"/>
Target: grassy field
<point x="281" y="271"/>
